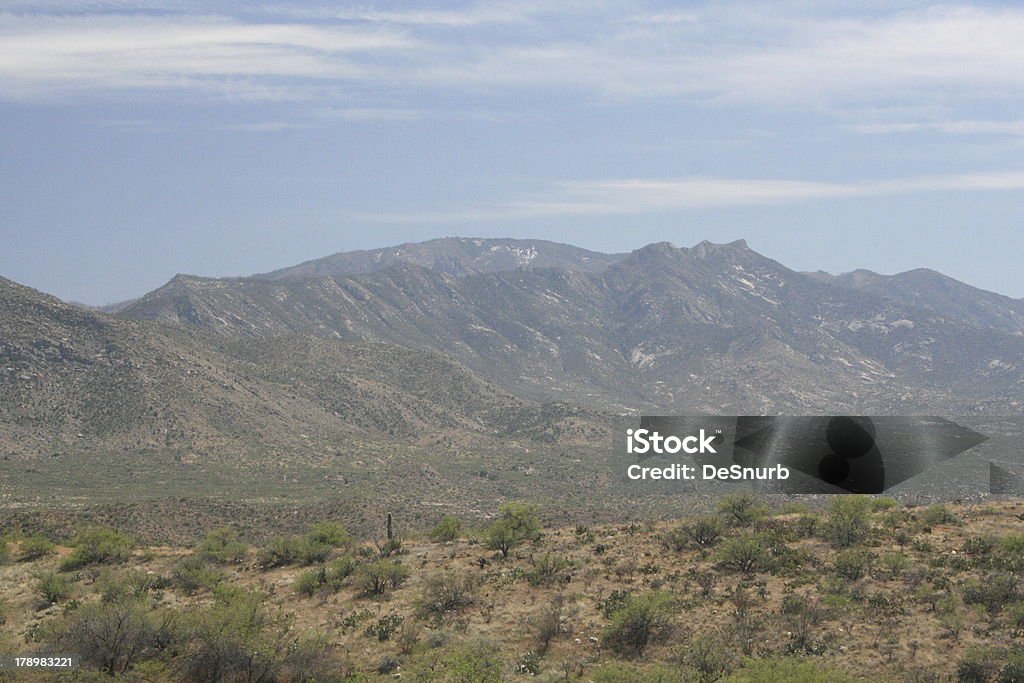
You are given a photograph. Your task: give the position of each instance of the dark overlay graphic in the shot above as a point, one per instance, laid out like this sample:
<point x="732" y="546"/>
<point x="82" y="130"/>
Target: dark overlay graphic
<point x="824" y="453"/>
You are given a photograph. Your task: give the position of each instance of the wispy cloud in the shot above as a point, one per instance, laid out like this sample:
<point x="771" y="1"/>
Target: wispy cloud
<point x="968" y="127"/>
<point x="641" y="196"/>
<point x="790" y="58"/>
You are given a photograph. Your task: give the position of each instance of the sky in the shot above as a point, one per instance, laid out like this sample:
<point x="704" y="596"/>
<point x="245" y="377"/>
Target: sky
<point x="143" y="139"/>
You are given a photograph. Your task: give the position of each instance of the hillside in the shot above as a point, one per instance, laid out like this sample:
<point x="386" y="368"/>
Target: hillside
<point x="714" y="328"/>
<point x="454" y="256"/>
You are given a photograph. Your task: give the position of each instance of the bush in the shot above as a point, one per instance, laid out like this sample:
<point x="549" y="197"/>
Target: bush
<point x="788" y="670"/>
<point x="748" y="553"/>
<point x="221" y="546"/>
<point x="516" y="522"/>
<point x="446" y="593"/>
<point x="1013" y="670"/>
<point x="740" y="509"/>
<point x="193" y="574"/>
<point x="846" y="521"/>
<point x="98" y="545"/>
<point x="34" y="547"/>
<point x="620" y="672"/>
<point x="548" y="569"/>
<point x="114" y="636"/>
<point x="384" y="628"/>
<point x="447" y="530"/>
<point x="238" y="638"/>
<point x="994" y="592"/>
<point x="472" y="662"/>
<point x="644" y="619"/>
<point x="53" y="587"/>
<point x="376" y="577"/>
<point x="5" y="551"/>
<point x="978" y="665"/>
<point x="853" y="563"/>
<point x="327" y="579"/>
<point x="710" y="658"/>
<point x="330" y="534"/>
<point x="934" y="515"/>
<point x="551" y="622"/>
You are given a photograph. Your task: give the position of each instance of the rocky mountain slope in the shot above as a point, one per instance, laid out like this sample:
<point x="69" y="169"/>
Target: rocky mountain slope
<point x="454" y="256"/>
<point x="711" y="328"/>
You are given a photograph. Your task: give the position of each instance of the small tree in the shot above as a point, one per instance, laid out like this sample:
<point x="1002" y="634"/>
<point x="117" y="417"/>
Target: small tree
<point x="747" y="553"/>
<point x="644" y="619"/>
<point x="376" y="577"/>
<point x="516" y="522"/>
<point x="447" y="530"/>
<point x="98" y="545"/>
<point x="846" y="522"/>
<point x="221" y="546"/>
<point x="740" y="509"/>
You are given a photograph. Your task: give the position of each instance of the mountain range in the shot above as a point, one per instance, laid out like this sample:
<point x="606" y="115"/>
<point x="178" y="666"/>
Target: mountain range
<point x="492" y="357"/>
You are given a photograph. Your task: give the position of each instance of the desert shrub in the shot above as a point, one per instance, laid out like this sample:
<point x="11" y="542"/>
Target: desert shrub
<point x="787" y="670"/>
<point x="934" y="515"/>
<point x="615" y="601"/>
<point x="740" y="509"/>
<point x="446" y="593"/>
<point x="846" y="520"/>
<point x="710" y="658"/>
<point x="239" y="638"/>
<point x="132" y="584"/>
<point x="1011" y="553"/>
<point x="621" y="672"/>
<point x="548" y="569"/>
<point x="802" y="615"/>
<point x="193" y="574"/>
<point x="704" y="532"/>
<point x="313" y="547"/>
<point x="114" y="636"/>
<point x="747" y="553"/>
<point x="644" y="619"/>
<point x="97" y="545"/>
<point x="893" y="564"/>
<point x="475" y="661"/>
<point x="392" y="546"/>
<point x="325" y="579"/>
<point x="447" y="530"/>
<point x="883" y="503"/>
<point x="385" y="627"/>
<point x="853" y="563"/>
<point x="993" y="592"/>
<point x="34" y="547"/>
<point x="53" y="587"/>
<point x="5" y="551"/>
<point x="1016" y="614"/>
<point x="221" y="546"/>
<point x="516" y="522"/>
<point x="330" y="534"/>
<point x="1013" y="670"/>
<point x="980" y="546"/>
<point x="375" y="578"/>
<point x="977" y="665"/>
<point x="551" y="622"/>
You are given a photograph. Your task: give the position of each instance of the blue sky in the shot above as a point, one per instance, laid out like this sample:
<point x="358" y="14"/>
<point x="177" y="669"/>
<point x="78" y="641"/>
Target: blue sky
<point x="141" y="139"/>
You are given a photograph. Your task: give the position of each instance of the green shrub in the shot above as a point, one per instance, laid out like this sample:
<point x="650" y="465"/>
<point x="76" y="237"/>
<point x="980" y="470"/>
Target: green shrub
<point x="193" y="574"/>
<point x="846" y="520"/>
<point x="747" y="553"/>
<point x="740" y="509"/>
<point x="787" y="670"/>
<point x="221" y="546"/>
<point x="993" y="592"/>
<point x="882" y="503"/>
<point x="853" y="563"/>
<point x="446" y="593"/>
<point x="516" y="522"/>
<point x="472" y="662"/>
<point x="330" y="534"/>
<point x="1013" y="670"/>
<point x="447" y="530"/>
<point x="53" y="587"/>
<point x="240" y="638"/>
<point x="98" y="545"/>
<point x="385" y="627"/>
<point x="934" y="515"/>
<point x="978" y="665"/>
<point x="621" y="672"/>
<point x="327" y="579"/>
<point x="5" y="551"/>
<point x="710" y="657"/>
<point x="376" y="577"/>
<point x="34" y="547"/>
<point x="644" y="619"/>
<point x="548" y="569"/>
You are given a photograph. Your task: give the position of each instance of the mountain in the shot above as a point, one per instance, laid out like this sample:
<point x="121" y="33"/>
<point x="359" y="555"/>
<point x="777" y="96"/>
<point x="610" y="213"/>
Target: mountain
<point x="941" y="294"/>
<point x="717" y="328"/>
<point x="454" y="256"/>
<point x="78" y="379"/>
